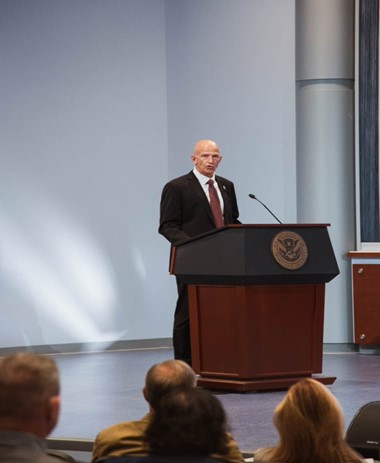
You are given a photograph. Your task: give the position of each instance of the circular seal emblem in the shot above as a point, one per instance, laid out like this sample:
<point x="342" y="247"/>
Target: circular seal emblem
<point x="289" y="250"/>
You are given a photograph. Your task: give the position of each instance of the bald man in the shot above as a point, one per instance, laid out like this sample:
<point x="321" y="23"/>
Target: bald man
<point x="191" y="206"/>
<point x="127" y="438"/>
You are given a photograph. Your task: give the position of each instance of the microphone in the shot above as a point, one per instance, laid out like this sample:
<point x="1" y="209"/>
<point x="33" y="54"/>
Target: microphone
<point x="257" y="199"/>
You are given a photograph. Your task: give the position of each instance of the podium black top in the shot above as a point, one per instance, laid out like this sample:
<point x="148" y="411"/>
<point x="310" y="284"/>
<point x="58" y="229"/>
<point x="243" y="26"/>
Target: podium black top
<point x="257" y="254"/>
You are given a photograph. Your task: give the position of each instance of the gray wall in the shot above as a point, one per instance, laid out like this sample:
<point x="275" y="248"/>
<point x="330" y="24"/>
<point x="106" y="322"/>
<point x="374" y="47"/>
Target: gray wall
<point x="231" y="77"/>
<point x="101" y="103"/>
<point x="83" y="129"/>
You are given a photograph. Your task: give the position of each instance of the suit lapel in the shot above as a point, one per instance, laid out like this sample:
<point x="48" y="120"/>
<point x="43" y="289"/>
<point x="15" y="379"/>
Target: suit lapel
<point x="226" y="198"/>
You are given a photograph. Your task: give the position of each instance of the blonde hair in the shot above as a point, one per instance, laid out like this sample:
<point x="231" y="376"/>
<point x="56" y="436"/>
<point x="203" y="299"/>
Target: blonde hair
<point x="310" y="424"/>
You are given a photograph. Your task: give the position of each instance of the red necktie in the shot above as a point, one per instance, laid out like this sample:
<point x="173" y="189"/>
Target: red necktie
<point x="215" y="205"/>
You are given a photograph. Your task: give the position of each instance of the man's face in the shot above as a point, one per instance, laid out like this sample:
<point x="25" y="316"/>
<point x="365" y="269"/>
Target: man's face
<point x="206" y="159"/>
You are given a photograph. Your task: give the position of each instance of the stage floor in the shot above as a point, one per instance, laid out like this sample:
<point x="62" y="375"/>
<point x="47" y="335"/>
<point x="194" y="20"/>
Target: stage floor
<point x="100" y="389"/>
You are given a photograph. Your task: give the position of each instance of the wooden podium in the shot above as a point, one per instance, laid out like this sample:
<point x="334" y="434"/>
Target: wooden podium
<point x="256" y="303"/>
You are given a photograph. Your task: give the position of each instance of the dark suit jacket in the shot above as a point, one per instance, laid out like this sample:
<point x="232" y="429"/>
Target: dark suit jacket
<point x="24" y="447"/>
<point x="185" y="210"/>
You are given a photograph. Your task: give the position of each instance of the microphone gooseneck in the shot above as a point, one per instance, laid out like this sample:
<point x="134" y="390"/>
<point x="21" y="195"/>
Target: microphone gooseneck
<point x="257" y="199"/>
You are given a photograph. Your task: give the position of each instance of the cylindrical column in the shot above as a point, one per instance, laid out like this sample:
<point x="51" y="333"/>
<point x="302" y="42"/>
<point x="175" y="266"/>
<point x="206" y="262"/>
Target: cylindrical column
<point x="325" y="140"/>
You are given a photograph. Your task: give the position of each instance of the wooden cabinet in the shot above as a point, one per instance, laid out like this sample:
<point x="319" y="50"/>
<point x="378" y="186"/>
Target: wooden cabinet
<point x="365" y="271"/>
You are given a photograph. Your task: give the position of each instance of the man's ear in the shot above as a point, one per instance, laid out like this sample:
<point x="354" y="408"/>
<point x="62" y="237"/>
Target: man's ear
<point x="144" y="393"/>
<point x="52" y="412"/>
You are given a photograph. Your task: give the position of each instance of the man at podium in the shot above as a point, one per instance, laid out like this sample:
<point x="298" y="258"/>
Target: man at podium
<point x="192" y="204"/>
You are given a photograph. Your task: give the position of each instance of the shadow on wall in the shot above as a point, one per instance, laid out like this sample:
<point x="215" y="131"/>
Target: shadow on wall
<point x="57" y="284"/>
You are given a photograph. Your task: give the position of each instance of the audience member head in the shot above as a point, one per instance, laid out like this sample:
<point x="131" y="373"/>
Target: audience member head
<point x="187" y="421"/>
<point x="310" y="424"/>
<point x="29" y="393"/>
<point x="166" y="376"/>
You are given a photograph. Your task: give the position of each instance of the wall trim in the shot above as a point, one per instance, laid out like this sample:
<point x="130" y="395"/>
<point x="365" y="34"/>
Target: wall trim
<point x="89" y="348"/>
<point x="141" y="344"/>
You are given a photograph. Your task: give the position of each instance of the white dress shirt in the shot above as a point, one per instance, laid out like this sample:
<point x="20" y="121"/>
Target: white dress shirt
<point x="203" y="181"/>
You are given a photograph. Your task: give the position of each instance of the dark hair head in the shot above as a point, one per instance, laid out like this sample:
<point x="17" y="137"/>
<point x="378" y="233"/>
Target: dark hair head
<point x="26" y="381"/>
<point x="187" y="422"/>
<point x="165" y="377"/>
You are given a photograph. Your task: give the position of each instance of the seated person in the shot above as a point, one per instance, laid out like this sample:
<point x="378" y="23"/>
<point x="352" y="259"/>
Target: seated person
<point x="310" y="424"/>
<point x="29" y="408"/>
<point x="127" y="438"/>
<point x="187" y="426"/>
